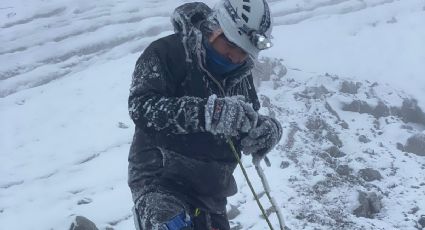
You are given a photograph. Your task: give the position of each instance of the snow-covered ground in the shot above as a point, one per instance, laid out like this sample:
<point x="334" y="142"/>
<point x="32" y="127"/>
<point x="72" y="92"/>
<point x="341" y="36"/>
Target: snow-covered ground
<point x="65" y="132"/>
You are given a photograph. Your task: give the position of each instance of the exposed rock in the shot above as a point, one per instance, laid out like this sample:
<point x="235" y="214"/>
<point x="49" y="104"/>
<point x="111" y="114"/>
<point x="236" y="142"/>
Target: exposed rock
<point x="84" y="201"/>
<point x="370" y="204"/>
<point x="411" y="112"/>
<point x="291" y="135"/>
<point x="328" y="159"/>
<point x="414" y="210"/>
<point x="82" y="223"/>
<point x="332" y="111"/>
<point x="421" y="221"/>
<point x="358" y="106"/>
<point x="416" y="144"/>
<point x="333" y="138"/>
<point x="369" y="174"/>
<point x="381" y="110"/>
<point x="344" y="170"/>
<point x="344" y="125"/>
<point x="315" y="123"/>
<point x="284" y="164"/>
<point x="400" y="146"/>
<point x="325" y="186"/>
<point x="121" y="125"/>
<point x="335" y="152"/>
<point x="404" y="126"/>
<point x="364" y="139"/>
<point x="233" y="212"/>
<point x="267" y="69"/>
<point x="392" y="20"/>
<point x="265" y="101"/>
<point x="318" y="125"/>
<point x="314" y="92"/>
<point x="350" y="87"/>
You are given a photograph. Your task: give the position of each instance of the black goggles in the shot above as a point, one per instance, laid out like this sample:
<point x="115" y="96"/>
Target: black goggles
<point x="257" y="37"/>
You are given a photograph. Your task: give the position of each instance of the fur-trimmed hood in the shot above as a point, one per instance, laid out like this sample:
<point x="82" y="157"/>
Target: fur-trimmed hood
<point x="189" y="20"/>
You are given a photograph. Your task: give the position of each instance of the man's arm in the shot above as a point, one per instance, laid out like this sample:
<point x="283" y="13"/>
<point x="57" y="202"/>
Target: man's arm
<point x="152" y="104"/>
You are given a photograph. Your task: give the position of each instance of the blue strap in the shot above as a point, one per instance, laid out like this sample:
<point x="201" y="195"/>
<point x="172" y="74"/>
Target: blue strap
<point x="178" y="222"/>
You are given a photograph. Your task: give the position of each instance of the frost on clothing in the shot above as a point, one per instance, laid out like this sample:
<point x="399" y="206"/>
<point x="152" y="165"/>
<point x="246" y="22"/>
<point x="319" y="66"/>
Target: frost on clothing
<point x="156" y="208"/>
<point x="229" y="115"/>
<point x="263" y="138"/>
<point x="149" y="107"/>
<point x="171" y="149"/>
<point x="183" y="21"/>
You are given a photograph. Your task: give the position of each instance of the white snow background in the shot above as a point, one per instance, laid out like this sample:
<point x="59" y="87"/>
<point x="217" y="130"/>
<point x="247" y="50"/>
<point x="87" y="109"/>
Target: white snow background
<point x="65" y="71"/>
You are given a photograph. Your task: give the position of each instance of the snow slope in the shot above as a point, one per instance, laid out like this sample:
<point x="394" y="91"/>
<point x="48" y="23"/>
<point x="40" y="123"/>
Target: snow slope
<point x="65" y="131"/>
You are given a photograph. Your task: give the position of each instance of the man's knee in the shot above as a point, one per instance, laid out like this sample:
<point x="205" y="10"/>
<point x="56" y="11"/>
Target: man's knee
<point x="161" y="211"/>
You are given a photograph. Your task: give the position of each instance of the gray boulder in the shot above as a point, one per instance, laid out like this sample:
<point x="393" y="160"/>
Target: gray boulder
<point x="314" y="92"/>
<point x="333" y="138"/>
<point x="421" y="221"/>
<point x="344" y="170"/>
<point x="284" y="164"/>
<point x="335" y="152"/>
<point x="370" y="204"/>
<point x="400" y="146"/>
<point x="358" y="106"/>
<point x="416" y="144"/>
<point x="380" y="110"/>
<point x="315" y="123"/>
<point x="82" y="223"/>
<point x="369" y="174"/>
<point x="350" y="87"/>
<point x="411" y="112"/>
<point x="364" y="139"/>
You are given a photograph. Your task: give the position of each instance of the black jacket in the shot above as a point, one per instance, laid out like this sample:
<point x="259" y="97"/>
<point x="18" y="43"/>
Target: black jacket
<point x="171" y="149"/>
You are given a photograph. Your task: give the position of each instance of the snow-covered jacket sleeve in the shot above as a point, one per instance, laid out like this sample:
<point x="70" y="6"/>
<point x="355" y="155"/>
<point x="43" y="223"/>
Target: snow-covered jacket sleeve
<point x="152" y="102"/>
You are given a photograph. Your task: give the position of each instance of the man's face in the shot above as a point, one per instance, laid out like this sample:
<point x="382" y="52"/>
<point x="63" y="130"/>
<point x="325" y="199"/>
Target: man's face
<point x="227" y="48"/>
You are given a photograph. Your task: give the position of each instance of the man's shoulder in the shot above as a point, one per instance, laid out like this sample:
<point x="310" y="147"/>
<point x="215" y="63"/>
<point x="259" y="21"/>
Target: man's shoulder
<point x="172" y="41"/>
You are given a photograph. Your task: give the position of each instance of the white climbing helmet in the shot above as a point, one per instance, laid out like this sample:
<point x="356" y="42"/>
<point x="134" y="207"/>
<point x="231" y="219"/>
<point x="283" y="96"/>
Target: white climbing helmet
<point x="247" y="23"/>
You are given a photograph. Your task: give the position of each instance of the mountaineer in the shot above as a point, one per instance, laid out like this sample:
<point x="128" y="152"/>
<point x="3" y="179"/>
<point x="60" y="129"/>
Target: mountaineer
<point x="191" y="91"/>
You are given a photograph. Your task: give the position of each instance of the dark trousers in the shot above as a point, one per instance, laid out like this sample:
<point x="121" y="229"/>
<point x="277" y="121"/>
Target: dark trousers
<point x="155" y="209"/>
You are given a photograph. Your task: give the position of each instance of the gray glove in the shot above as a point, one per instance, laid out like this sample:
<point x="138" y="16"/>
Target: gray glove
<point x="229" y="115"/>
<point x="263" y="138"/>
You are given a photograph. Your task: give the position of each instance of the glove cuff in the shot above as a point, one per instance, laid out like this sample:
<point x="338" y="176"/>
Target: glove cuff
<point x="211" y="115"/>
<point x="278" y="128"/>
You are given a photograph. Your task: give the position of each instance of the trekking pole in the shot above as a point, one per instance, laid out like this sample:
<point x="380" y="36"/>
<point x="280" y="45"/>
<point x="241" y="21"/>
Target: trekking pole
<point x="232" y="147"/>
<point x="266" y="186"/>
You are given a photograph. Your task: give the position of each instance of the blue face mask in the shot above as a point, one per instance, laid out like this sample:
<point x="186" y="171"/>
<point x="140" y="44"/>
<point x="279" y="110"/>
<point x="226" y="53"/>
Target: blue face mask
<point x="216" y="63"/>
